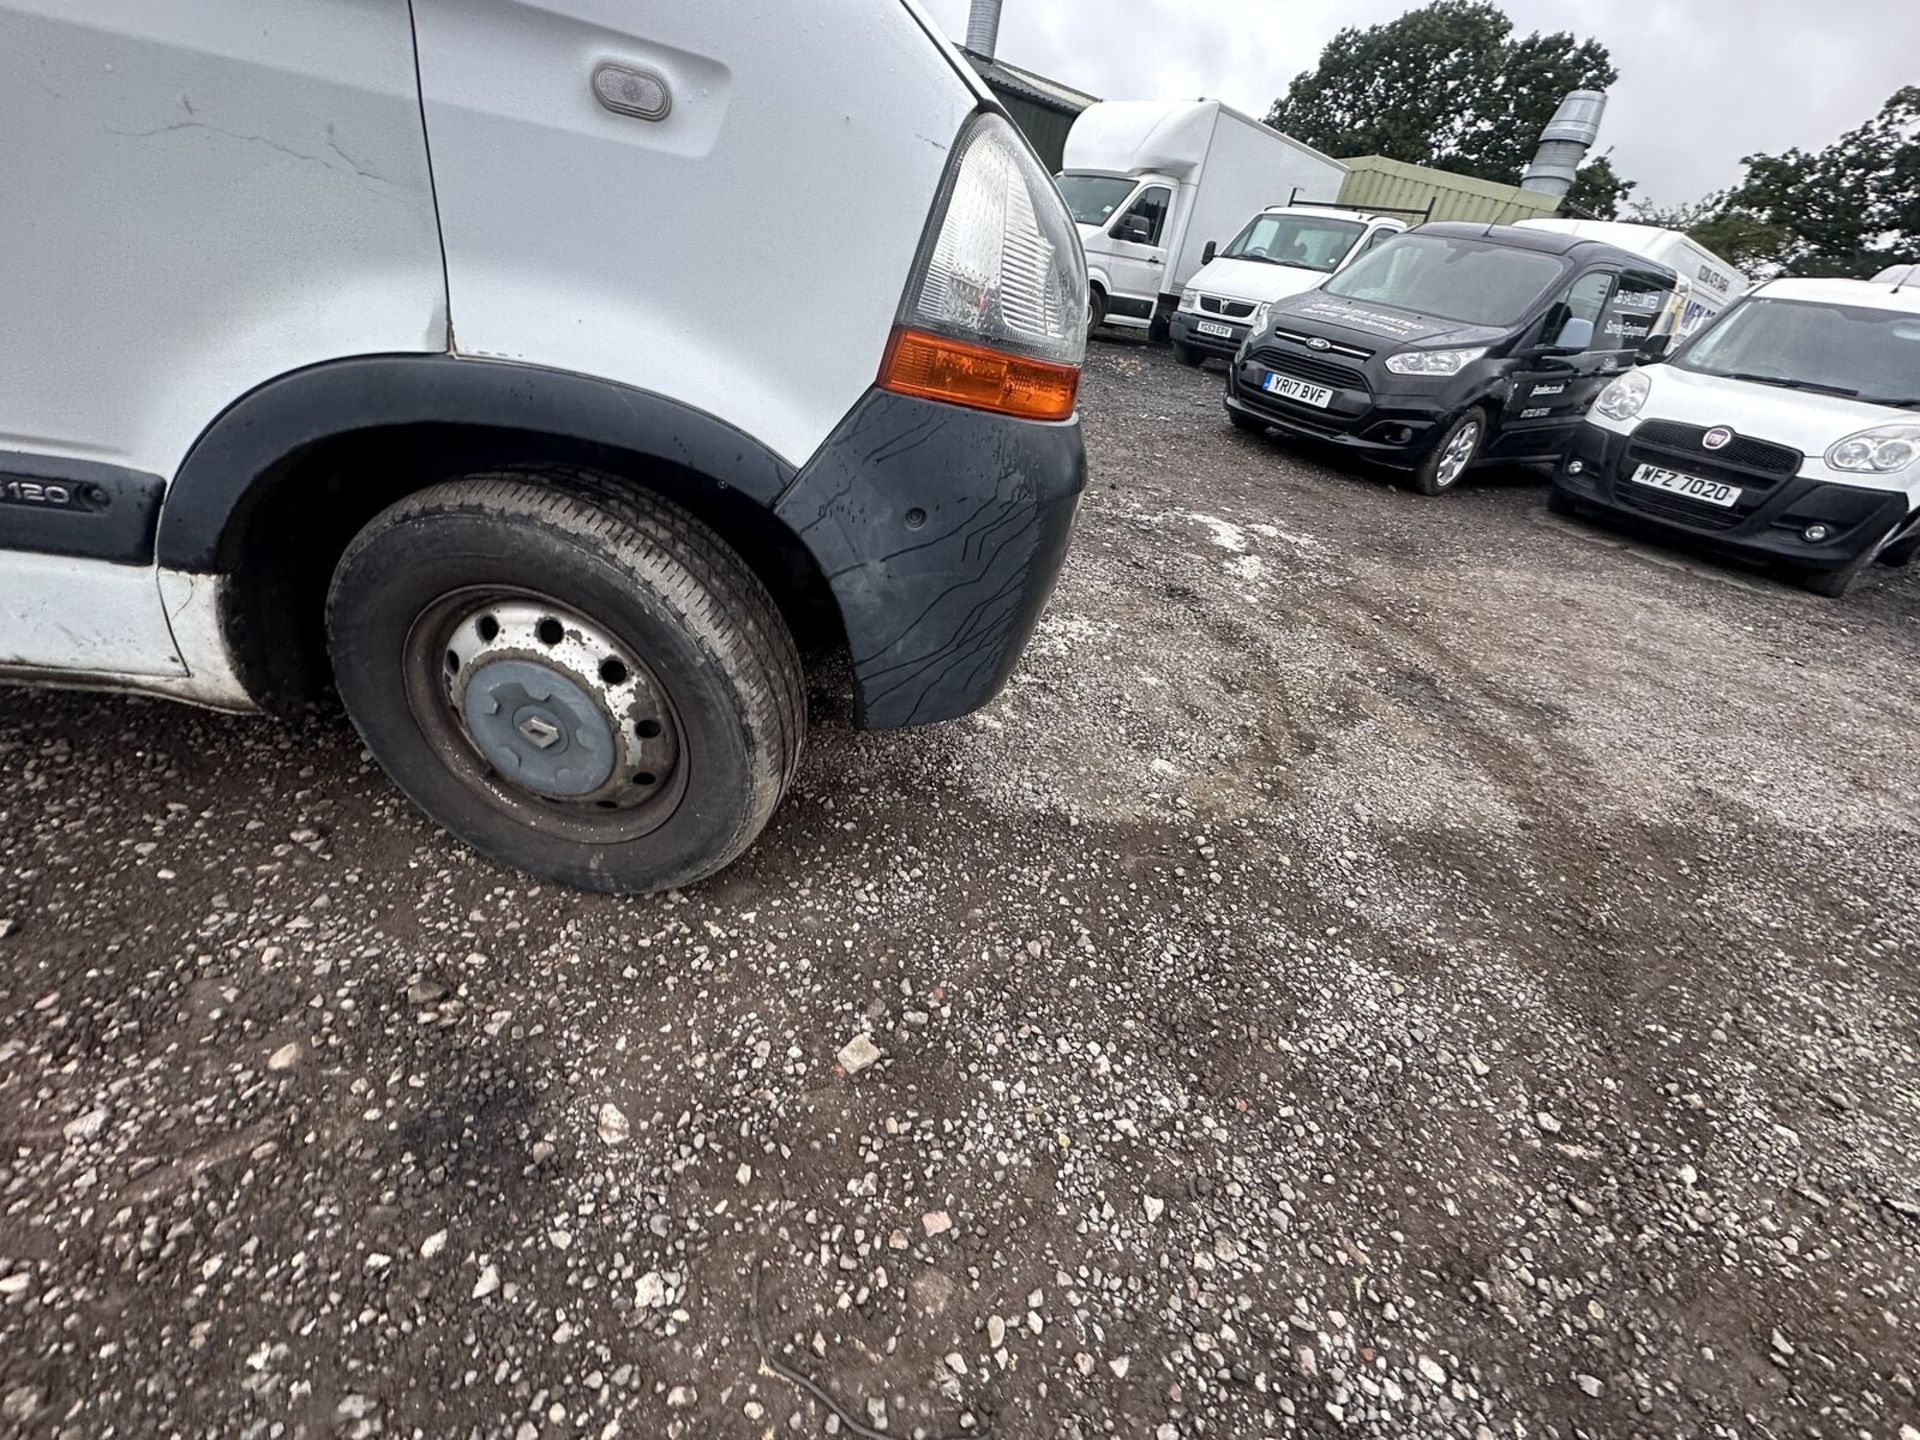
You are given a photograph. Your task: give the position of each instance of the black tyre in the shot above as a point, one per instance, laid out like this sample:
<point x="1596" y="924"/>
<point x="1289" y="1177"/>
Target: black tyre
<point x="580" y="681"/>
<point x="1837" y="582"/>
<point x="1188" y="355"/>
<point x="1096" y="308"/>
<point x="1561" y="503"/>
<point x="1900" y="554"/>
<point x="1453" y="455"/>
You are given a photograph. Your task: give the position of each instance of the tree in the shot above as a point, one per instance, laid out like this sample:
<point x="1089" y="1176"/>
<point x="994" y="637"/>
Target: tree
<point x="1850" y="209"/>
<point x="1449" y="86"/>
<point x="1735" y="236"/>
<point x="1598" y="190"/>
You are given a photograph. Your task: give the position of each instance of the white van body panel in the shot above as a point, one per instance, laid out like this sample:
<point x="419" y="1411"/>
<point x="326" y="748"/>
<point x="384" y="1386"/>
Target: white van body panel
<point x="640" y="227"/>
<point x="153" y="154"/>
<point x="1254" y="281"/>
<point x="88" y="615"/>
<point x="1708" y="284"/>
<point x="1221" y="165"/>
<point x="1809" y="422"/>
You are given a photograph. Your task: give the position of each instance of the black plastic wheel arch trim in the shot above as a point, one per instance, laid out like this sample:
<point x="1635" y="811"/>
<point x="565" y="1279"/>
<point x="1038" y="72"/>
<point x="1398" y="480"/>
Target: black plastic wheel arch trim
<point x="940" y="531"/>
<point x="236" y="458"/>
<point x="51" y="505"/>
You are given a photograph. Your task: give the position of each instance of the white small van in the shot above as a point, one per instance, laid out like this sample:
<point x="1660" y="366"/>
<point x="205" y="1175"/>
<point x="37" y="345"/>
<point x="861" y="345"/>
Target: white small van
<point x="1789" y="432"/>
<point x="430" y="351"/>
<point x="1282" y="251"/>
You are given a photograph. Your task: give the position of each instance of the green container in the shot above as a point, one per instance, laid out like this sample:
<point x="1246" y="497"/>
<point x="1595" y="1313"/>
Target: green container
<point x="1376" y="180"/>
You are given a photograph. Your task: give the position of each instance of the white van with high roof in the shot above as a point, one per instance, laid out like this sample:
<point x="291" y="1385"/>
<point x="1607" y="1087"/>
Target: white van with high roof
<point x="427" y="351"/>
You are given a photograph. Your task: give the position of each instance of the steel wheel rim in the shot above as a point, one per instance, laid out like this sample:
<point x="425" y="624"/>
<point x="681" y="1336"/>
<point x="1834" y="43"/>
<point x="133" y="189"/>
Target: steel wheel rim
<point x="495" y="674"/>
<point x="1458" y="454"/>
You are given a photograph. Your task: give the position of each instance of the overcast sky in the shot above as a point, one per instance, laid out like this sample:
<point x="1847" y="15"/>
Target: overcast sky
<point x="1702" y="82"/>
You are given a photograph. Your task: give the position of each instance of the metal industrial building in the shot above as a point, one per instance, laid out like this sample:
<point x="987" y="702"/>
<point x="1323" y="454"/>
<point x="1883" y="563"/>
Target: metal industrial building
<point x="1043" y="109"/>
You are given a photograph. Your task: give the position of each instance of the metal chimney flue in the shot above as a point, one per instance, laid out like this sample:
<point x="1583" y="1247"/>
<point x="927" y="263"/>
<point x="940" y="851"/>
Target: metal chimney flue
<point x="983" y="28"/>
<point x="1565" y="143"/>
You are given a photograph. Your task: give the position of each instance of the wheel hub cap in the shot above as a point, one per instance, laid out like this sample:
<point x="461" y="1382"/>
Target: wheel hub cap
<point x="557" y="711"/>
<point x="539" y="727"/>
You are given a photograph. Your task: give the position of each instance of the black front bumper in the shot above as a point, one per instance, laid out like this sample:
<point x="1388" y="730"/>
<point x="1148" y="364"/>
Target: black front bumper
<point x="940" y="531"/>
<point x="1768" y="522"/>
<point x="1185" y="329"/>
<point x="1394" y="428"/>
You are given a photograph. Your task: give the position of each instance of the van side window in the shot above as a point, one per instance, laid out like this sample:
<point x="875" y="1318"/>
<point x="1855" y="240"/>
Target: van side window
<point x="1585" y="301"/>
<point x="1632" y="313"/>
<point x="1377" y="239"/>
<point x="1151" y="208"/>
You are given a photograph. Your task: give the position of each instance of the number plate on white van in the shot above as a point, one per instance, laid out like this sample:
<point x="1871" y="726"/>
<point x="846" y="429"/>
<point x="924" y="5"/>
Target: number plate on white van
<point x="1299" y="390"/>
<point x="1691" y="486"/>
<point x="1209" y="327"/>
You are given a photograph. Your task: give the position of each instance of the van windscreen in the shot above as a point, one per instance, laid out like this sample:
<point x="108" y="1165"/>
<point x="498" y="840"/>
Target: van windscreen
<point x="1309" y="242"/>
<point x="1849" y="350"/>
<point x="1092" y="199"/>
<point x="1450" y="279"/>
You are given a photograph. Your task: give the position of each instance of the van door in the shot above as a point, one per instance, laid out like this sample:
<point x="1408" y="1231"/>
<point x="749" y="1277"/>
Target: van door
<point x="1550" y="393"/>
<point x="1138" y="263"/>
<point x="195" y="198"/>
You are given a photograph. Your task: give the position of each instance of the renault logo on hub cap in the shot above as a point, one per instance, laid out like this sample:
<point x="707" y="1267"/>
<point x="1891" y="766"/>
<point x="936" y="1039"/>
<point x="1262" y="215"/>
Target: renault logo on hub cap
<point x="1316" y="343"/>
<point x="1717" y="438"/>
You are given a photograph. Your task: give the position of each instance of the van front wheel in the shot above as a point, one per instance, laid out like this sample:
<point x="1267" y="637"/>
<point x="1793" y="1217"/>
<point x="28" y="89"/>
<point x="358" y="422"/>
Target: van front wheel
<point x="1835" y="583"/>
<point x="578" y="679"/>
<point x="1454" y="455"/>
<point x="1096" y="308"/>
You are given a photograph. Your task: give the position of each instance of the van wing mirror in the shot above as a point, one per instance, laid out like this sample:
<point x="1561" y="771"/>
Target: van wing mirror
<point x="1136" y="229"/>
<point x="1575" y="336"/>
<point x="1653" y="349"/>
<point x="1206" y="255"/>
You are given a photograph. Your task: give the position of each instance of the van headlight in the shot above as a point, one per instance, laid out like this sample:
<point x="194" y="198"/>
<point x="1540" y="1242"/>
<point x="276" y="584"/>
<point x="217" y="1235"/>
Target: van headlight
<point x="1625" y="397"/>
<point x="1880" y="451"/>
<point x="1261" y="314"/>
<point x="1433" y="362"/>
<point x="1189" y="299"/>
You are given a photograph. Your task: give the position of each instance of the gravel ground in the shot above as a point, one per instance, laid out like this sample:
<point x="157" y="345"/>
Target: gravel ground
<point x="1386" y="967"/>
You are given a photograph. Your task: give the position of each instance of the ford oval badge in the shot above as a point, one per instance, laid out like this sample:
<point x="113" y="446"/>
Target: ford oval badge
<point x="1316" y="343"/>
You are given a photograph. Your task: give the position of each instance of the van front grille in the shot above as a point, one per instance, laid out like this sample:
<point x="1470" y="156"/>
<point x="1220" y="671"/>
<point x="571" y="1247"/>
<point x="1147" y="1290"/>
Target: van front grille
<point x="1310" y="367"/>
<point x="1742" y="453"/>
<point x="1232" y="309"/>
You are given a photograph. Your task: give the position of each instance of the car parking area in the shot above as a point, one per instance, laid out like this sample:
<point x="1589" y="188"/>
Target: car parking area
<point x="1387" y="966"/>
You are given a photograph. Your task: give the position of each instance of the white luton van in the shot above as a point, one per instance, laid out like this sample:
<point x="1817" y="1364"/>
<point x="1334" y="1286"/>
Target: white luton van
<point x="1153" y="183"/>
<point x="1707" y="285"/>
<point x="432" y="351"/>
<point x="1788" y="432"/>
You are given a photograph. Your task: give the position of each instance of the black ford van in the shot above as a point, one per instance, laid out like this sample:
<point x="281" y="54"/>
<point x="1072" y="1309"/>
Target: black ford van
<point x="1453" y="344"/>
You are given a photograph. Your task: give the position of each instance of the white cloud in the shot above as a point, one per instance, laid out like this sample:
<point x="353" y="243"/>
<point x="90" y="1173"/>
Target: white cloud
<point x="1703" y="82"/>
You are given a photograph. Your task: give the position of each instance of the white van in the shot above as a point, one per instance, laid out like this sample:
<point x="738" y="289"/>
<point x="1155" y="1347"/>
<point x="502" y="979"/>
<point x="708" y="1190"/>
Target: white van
<point x="1708" y="284"/>
<point x="1153" y="182"/>
<point x="1282" y="251"/>
<point x="431" y="350"/>
<point x="1789" y="432"/>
